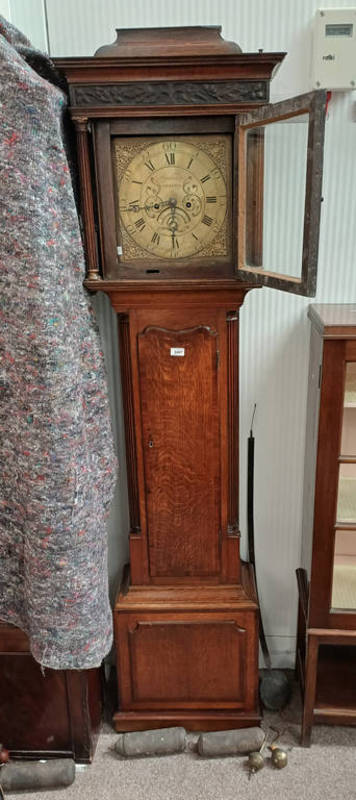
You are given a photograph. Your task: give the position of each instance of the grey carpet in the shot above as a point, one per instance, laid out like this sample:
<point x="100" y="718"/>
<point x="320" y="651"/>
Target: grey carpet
<point x="325" y="771"/>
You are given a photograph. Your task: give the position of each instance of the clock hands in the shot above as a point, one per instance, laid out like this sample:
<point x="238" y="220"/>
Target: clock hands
<point x="135" y="207"/>
<point x="172" y="203"/>
<point x="173" y="223"/>
<point x="175" y="213"/>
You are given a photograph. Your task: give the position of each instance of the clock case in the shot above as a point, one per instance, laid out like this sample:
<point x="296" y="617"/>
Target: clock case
<point x="186" y="614"/>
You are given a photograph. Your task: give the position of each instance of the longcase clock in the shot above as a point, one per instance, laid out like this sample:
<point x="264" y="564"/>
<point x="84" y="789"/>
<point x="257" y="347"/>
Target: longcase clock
<point x="176" y="148"/>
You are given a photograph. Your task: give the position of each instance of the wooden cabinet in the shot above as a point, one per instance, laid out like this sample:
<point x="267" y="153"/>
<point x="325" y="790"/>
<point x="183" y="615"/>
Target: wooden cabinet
<point x="176" y="143"/>
<point x="49" y="713"/>
<point x="326" y="645"/>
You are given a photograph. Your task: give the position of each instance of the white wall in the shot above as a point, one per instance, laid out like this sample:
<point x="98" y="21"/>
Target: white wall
<point x="274" y="327"/>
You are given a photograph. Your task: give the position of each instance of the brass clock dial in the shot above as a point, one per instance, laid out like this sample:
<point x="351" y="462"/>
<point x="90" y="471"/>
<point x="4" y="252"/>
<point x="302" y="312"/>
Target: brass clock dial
<point x="173" y="195"/>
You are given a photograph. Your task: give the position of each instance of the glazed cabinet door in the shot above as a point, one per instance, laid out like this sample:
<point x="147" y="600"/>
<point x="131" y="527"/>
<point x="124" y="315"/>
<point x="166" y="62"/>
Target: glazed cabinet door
<point x="343" y="594"/>
<point x="333" y="578"/>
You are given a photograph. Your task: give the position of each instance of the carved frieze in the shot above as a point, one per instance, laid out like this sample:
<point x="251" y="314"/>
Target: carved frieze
<point x="170" y="93"/>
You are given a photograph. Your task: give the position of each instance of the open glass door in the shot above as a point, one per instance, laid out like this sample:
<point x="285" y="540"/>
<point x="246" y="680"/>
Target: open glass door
<point x="280" y="165"/>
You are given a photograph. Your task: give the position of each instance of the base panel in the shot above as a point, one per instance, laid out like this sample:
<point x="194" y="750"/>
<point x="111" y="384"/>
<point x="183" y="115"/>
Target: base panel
<point x="187" y="656"/>
<point x="192" y="721"/>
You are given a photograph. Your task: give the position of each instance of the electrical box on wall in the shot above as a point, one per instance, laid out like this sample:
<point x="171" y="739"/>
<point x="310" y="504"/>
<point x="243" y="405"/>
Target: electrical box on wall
<point x="334" y="49"/>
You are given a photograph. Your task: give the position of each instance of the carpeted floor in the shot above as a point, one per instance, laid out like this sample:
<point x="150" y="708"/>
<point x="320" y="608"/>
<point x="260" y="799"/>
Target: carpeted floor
<point x="325" y="771"/>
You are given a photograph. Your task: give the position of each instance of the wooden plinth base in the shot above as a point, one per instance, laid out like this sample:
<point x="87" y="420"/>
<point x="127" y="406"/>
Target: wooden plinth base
<point x="191" y="721"/>
<point x="54" y="714"/>
<point x="187" y="655"/>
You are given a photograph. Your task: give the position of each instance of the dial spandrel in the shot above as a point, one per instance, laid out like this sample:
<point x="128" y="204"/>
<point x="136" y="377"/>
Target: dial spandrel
<point x="173" y="196"/>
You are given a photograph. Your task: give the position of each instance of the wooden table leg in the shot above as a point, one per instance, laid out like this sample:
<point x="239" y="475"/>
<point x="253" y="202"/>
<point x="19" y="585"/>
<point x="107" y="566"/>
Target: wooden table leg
<point x="310" y="687"/>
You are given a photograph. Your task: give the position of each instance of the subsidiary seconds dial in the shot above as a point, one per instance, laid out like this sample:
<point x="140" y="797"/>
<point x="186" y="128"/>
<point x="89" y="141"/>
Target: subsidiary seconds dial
<point x="172" y="198"/>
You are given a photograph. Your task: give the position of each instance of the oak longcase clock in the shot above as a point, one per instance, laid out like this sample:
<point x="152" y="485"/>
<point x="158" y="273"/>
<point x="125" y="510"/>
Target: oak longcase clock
<point x="183" y="188"/>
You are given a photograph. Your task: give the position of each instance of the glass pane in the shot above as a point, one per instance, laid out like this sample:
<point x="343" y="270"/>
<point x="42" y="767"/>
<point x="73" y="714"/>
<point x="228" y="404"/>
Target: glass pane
<point x="350" y="384"/>
<point x="344" y="576"/>
<point x="346" y="498"/>
<point x="276" y="165"/>
<point x="348" y="439"/>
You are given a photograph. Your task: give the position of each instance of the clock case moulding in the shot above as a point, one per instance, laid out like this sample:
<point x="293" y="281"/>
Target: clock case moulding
<point x="186" y="614"/>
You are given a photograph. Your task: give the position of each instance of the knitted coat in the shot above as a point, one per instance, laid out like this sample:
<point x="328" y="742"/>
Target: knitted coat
<point x="57" y="465"/>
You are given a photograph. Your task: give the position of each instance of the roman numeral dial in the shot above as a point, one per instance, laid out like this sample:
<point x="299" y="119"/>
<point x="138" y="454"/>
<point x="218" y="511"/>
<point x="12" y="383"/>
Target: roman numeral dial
<point x="173" y="196"/>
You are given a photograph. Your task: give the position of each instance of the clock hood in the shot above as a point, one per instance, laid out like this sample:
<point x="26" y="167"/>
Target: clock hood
<point x="189" y="40"/>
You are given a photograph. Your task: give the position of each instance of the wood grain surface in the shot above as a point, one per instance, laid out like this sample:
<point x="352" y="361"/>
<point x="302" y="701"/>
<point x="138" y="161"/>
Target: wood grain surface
<point x="180" y="423"/>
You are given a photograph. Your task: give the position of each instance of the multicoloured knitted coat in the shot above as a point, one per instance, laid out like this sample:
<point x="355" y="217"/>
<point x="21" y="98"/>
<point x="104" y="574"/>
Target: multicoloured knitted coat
<point x="57" y="465"/>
